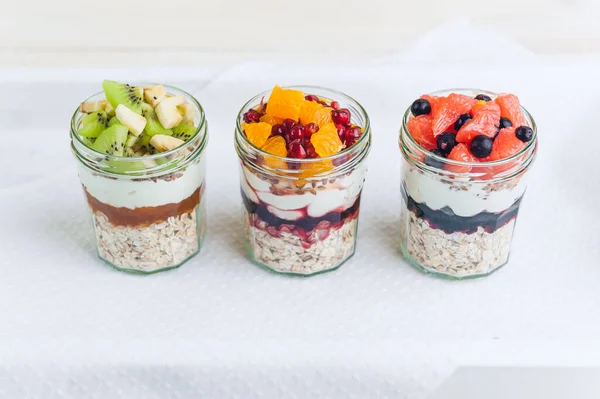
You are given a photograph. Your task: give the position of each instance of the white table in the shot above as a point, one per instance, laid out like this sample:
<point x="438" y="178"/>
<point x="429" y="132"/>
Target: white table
<point x="220" y="327"/>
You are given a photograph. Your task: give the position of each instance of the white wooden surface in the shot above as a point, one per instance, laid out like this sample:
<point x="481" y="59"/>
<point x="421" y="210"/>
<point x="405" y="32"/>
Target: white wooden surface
<point x="187" y="32"/>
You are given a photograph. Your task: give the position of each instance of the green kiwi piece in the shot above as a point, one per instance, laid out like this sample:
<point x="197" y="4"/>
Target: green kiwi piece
<point x="113" y="121"/>
<point x="93" y="124"/>
<point x="87" y="141"/>
<point x="153" y="125"/>
<point x="111" y="141"/>
<point x="121" y="93"/>
<point x="132" y="140"/>
<point x="184" y="132"/>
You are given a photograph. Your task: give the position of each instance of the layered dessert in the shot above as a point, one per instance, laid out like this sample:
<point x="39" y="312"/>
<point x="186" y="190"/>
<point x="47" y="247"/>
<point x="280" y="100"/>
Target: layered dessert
<point x="141" y="168"/>
<point x="466" y="157"/>
<point x="302" y="171"/>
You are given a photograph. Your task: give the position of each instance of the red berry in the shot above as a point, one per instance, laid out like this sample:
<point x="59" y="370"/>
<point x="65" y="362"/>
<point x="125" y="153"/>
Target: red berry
<point x="352" y="134"/>
<point x="341" y="116"/>
<point x="277" y="130"/>
<point x="311" y="97"/>
<point x="288" y="124"/>
<point x="335" y="105"/>
<point x="297" y="132"/>
<point x="252" y="115"/>
<point x="296" y="150"/>
<point x="310" y="129"/>
<point x="341" y="129"/>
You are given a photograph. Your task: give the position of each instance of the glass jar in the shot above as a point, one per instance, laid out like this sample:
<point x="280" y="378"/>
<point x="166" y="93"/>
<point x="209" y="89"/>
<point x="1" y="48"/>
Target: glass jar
<point x="458" y="218"/>
<point x="301" y="215"/>
<point x="148" y="212"/>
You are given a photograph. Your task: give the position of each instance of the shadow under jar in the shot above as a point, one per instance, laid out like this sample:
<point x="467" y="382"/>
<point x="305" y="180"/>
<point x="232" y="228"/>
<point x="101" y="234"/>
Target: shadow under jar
<point x="458" y="218"/>
<point x="301" y="215"/>
<point x="148" y="212"/>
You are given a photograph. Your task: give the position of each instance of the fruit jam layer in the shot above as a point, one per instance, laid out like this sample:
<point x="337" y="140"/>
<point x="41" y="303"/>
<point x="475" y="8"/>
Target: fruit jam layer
<point x="446" y="220"/>
<point x="147" y="215"/>
<point x="305" y="223"/>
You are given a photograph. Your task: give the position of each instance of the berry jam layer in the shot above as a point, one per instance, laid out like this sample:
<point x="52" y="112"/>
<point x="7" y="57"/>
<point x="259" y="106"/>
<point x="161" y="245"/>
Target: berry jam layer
<point x="147" y="215"/>
<point x="305" y="223"/>
<point x="446" y="220"/>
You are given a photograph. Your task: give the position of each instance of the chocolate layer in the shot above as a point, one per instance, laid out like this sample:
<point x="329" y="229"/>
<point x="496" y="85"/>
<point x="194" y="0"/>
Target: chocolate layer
<point x="307" y="223"/>
<point x="445" y="219"/>
<point x="146" y="215"/>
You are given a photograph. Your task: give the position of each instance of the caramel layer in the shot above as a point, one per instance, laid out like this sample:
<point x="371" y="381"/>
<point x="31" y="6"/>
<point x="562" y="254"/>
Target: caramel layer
<point x="146" y="215"/>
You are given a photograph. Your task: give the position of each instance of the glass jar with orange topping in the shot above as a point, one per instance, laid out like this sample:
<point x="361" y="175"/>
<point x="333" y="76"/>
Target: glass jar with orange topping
<point x="302" y="157"/>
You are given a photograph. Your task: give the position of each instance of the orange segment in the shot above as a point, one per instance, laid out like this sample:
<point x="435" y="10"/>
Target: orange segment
<point x="326" y="141"/>
<point x="257" y="133"/>
<point x="285" y="103"/>
<point x="313" y="112"/>
<point x="276" y="146"/>
<point x="271" y="120"/>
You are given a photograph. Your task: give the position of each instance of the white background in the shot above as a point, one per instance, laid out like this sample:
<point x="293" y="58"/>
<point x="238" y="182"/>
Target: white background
<point x="188" y="32"/>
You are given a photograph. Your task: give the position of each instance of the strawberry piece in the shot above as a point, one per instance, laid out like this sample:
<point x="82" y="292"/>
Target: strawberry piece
<point x="460" y="153"/>
<point x="448" y="110"/>
<point x="506" y="144"/>
<point x="420" y="129"/>
<point x="510" y="108"/>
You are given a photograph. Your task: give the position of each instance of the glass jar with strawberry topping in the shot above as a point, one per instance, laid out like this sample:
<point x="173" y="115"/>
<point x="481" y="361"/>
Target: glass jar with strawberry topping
<point x="466" y="158"/>
<point x="302" y="157"/>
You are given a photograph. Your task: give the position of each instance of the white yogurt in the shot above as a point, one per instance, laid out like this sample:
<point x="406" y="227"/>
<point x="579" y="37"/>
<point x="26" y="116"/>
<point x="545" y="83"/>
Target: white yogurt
<point x="437" y="194"/>
<point x="337" y="196"/>
<point x="127" y="193"/>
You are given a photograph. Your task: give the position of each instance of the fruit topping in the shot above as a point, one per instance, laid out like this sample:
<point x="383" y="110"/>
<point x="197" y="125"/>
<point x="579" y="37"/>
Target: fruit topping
<point x="506" y="144"/>
<point x="460" y="153"/>
<point x="483" y="123"/>
<point x="446" y="142"/>
<point x="326" y="141"/>
<point x="296" y="150"/>
<point x="510" y="108"/>
<point x="164" y="143"/>
<point x="167" y="112"/>
<point x="504" y="123"/>
<point x="154" y="95"/>
<point x="252" y="115"/>
<point x="420" y="107"/>
<point x="481" y="146"/>
<point x="257" y="133"/>
<point x="93" y="124"/>
<point x="420" y="128"/>
<point x="122" y="93"/>
<point x="448" y="110"/>
<point x="461" y="121"/>
<point x="276" y="146"/>
<point x="313" y="112"/>
<point x="111" y="141"/>
<point x="134" y="122"/>
<point x="341" y="116"/>
<point x="153" y="125"/>
<point x="183" y="131"/>
<point x="483" y="97"/>
<point x="285" y="103"/>
<point x="524" y="133"/>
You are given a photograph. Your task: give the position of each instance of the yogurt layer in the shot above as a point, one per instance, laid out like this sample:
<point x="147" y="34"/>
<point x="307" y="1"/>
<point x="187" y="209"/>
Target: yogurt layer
<point x="475" y="199"/>
<point x="128" y="193"/>
<point x="337" y="196"/>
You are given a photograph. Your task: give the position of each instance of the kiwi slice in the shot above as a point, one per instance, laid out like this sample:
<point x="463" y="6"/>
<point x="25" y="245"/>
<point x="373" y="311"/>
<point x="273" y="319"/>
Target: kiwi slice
<point x="93" y="124"/>
<point x="121" y="93"/>
<point x="113" y="121"/>
<point x="184" y="131"/>
<point x="132" y="140"/>
<point x="153" y="125"/>
<point x="87" y="141"/>
<point x="111" y="141"/>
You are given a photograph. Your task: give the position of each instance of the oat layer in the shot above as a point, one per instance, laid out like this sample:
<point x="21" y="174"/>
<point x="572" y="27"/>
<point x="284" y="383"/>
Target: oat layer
<point x="148" y="248"/>
<point x="457" y="254"/>
<point x="286" y="254"/>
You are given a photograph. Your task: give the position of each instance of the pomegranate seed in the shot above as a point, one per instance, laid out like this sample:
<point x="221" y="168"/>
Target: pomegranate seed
<point x="310" y="150"/>
<point x="341" y="131"/>
<point x="278" y="130"/>
<point x="311" y="97"/>
<point x="297" y="132"/>
<point x="341" y="116"/>
<point x="252" y="115"/>
<point x="323" y="103"/>
<point x="288" y="124"/>
<point x="352" y="135"/>
<point x="296" y="150"/>
<point x="335" y="105"/>
<point x="310" y="129"/>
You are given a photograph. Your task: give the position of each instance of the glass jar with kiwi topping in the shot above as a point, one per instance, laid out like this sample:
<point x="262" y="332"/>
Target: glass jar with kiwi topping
<point x="139" y="152"/>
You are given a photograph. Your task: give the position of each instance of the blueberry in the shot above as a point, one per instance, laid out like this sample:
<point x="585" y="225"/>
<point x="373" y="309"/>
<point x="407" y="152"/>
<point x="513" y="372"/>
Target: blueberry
<point x="420" y="107"/>
<point x="461" y="121"/>
<point x="524" y="133"/>
<point x="481" y="146"/>
<point x="504" y="123"/>
<point x="446" y="142"/>
<point x="483" y="97"/>
<point x="431" y="161"/>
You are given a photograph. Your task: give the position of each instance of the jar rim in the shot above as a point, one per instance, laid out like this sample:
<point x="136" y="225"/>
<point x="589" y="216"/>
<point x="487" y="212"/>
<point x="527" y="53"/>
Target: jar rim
<point x="404" y="134"/>
<point x="364" y="140"/>
<point x="200" y="128"/>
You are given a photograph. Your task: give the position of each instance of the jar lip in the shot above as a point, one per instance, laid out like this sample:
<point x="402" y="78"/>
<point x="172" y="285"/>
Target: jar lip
<point x="530" y="144"/>
<point x="365" y="136"/>
<point x="201" y="126"/>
